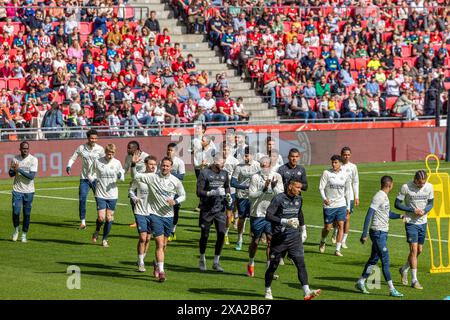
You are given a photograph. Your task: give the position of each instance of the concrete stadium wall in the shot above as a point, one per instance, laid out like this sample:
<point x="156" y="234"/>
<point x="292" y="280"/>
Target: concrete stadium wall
<point x="368" y="145"/>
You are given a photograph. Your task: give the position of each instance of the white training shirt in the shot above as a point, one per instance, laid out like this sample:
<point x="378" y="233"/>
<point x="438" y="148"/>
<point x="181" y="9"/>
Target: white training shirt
<point x="160" y="189"/>
<point x="139" y="190"/>
<point x="28" y="164"/>
<point x="416" y="198"/>
<point x="230" y="164"/>
<point x="88" y="155"/>
<point x="107" y="176"/>
<point x="201" y="154"/>
<point x="178" y="165"/>
<point x="140" y="165"/>
<point x="352" y="170"/>
<point x="260" y="200"/>
<point x="336" y="187"/>
<point x="380" y="219"/>
<point x="243" y="173"/>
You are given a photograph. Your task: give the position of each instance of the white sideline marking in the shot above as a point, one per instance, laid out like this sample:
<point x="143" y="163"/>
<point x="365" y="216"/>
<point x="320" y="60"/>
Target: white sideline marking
<point x="190" y="211"/>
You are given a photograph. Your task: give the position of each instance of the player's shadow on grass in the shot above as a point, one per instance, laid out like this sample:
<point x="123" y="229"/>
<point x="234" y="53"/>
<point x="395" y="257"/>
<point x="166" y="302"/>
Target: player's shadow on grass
<point x="56" y="224"/>
<point x="227" y="292"/>
<point x="347" y="279"/>
<point x="325" y="288"/>
<point x="60" y="241"/>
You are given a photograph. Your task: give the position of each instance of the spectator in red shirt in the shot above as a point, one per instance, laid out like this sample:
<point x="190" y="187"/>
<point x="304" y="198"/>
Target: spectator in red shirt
<point x="226" y="109"/>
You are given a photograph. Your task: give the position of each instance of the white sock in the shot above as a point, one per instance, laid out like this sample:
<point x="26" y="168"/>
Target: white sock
<point x="251" y="261"/>
<point x="344" y="239"/>
<point x="24" y="234"/>
<point x="161" y="266"/>
<point x="405" y="267"/>
<point x="83" y="221"/>
<point x="226" y="232"/>
<point x="268" y="289"/>
<point x="216" y="259"/>
<point x="268" y="264"/>
<point x="202" y="257"/>
<point x="362" y="280"/>
<point x="16" y="229"/>
<point x="174" y="228"/>
<point x="414" y="275"/>
<point x="306" y="289"/>
<point x="391" y="285"/>
<point x="338" y="246"/>
<point x="141" y="258"/>
<point x="240" y="237"/>
<point x="323" y="239"/>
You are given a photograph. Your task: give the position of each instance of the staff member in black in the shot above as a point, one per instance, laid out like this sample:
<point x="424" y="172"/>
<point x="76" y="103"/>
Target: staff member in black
<point x="213" y="189"/>
<point x="286" y="216"/>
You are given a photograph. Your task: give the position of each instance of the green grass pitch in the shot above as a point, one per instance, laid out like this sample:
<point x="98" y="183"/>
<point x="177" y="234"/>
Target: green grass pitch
<point x="38" y="269"/>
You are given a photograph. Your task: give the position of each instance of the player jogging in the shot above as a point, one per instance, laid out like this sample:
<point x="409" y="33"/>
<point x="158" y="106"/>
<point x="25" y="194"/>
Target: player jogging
<point x="138" y="194"/>
<point x="292" y="169"/>
<point x="178" y="170"/>
<point x="270" y="145"/>
<point x="132" y="148"/>
<point x="335" y="188"/>
<point x="107" y="170"/>
<point x="418" y="198"/>
<point x="164" y="192"/>
<point x="88" y="152"/>
<point x="352" y="171"/>
<point x="286" y="216"/>
<point x="23" y="168"/>
<point x="263" y="187"/>
<point x="240" y="180"/>
<point x="378" y="217"/>
<point x="213" y="189"/>
<point x="230" y="164"/>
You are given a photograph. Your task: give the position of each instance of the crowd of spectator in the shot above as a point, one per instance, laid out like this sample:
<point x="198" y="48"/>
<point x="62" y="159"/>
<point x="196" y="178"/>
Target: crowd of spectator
<point x="92" y="62"/>
<point x="331" y="59"/>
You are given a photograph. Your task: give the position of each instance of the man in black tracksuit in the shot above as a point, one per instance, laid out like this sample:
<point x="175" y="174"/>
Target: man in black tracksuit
<point x="213" y="189"/>
<point x="286" y="216"/>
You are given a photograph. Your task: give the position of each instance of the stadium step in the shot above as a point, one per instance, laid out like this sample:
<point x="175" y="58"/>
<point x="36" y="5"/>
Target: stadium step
<point x="205" y="58"/>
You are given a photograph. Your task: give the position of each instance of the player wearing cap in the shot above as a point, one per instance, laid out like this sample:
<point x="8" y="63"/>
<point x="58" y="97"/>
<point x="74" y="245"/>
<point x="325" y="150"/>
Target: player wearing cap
<point x="138" y="194"/>
<point x="335" y="188"/>
<point x="23" y="168"/>
<point x="107" y="170"/>
<point x="264" y="185"/>
<point x="164" y="192"/>
<point x="213" y="189"/>
<point x="378" y="217"/>
<point x="240" y="180"/>
<point x="132" y="148"/>
<point x="286" y="216"/>
<point x="88" y="152"/>
<point x="418" y="198"/>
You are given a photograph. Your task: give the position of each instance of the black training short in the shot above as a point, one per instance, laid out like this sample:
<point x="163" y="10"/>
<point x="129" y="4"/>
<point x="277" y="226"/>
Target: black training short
<point x="206" y="219"/>
<point x="280" y="244"/>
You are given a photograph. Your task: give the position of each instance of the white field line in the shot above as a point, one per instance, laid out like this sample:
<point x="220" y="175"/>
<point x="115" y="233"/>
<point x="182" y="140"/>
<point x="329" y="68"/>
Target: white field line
<point x="193" y="212"/>
<point x="400" y="172"/>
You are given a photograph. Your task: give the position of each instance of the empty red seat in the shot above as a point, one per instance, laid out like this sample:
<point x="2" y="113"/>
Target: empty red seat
<point x="390" y="102"/>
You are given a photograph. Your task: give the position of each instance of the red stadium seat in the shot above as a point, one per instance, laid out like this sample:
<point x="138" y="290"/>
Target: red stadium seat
<point x="447" y="85"/>
<point x="312" y="104"/>
<point x="129" y="13"/>
<point x="3" y="83"/>
<point x="85" y="28"/>
<point x="406" y="51"/>
<point x="390" y="102"/>
<point x="360" y="63"/>
<point x="16" y="83"/>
